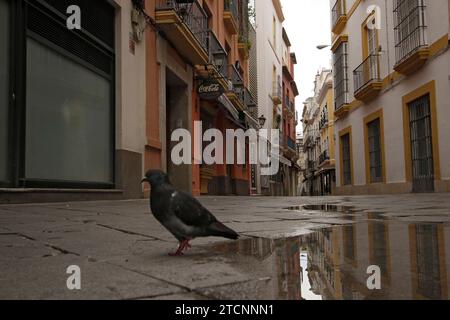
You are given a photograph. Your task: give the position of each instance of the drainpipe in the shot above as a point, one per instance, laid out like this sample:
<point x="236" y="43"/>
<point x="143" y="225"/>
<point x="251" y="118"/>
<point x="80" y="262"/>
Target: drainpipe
<point x="387" y="37"/>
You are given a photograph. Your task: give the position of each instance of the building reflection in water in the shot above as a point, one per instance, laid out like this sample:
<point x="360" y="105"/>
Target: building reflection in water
<point x="332" y="263"/>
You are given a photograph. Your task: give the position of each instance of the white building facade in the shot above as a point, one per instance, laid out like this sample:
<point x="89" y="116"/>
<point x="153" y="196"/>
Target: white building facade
<point x="391" y="71"/>
<point x="269" y="64"/>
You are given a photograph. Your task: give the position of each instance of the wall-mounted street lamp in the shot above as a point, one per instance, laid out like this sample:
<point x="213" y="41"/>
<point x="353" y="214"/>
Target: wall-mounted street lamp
<point x="219" y="59"/>
<point x="323" y="46"/>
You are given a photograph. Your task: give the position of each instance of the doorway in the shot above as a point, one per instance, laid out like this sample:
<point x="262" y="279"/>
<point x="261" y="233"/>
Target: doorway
<point x="421" y="145"/>
<point x="177" y="117"/>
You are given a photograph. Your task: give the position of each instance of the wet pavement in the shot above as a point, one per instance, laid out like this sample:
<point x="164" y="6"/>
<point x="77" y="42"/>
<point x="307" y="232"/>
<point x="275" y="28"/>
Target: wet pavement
<point x="291" y="248"/>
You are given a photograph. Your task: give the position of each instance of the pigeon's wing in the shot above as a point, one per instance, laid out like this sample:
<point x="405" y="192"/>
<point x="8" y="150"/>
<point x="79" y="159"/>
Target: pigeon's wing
<point x="190" y="210"/>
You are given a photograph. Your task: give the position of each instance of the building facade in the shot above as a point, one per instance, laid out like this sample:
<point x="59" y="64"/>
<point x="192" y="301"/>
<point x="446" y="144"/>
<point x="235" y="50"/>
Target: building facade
<point x="310" y="118"/>
<point x="269" y="24"/>
<point x="326" y="161"/>
<point x="391" y="79"/>
<point x="301" y="163"/>
<point x="275" y="101"/>
<point x="290" y="170"/>
<point x="202" y="44"/>
<point x="116" y="89"/>
<point x="338" y="259"/>
<point x="319" y="145"/>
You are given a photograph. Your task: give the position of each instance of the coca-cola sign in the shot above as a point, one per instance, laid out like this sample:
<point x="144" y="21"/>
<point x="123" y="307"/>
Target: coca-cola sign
<point x="209" y="90"/>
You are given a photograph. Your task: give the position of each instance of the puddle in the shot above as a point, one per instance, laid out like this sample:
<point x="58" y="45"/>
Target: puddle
<point x="332" y="263"/>
<point x="323" y="208"/>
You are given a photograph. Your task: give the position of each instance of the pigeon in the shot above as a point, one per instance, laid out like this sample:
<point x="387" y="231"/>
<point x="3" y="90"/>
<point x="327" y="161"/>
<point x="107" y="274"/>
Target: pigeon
<point x="181" y="214"/>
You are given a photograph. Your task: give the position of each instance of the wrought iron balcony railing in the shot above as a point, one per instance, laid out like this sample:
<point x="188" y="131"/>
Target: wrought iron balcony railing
<point x="325" y="156"/>
<point x="237" y="83"/>
<point x="277" y="93"/>
<point x="232" y="6"/>
<point x="409" y="17"/>
<point x="311" y="165"/>
<point x="368" y="71"/>
<point x="323" y="122"/>
<point x="249" y="100"/>
<point x="291" y="144"/>
<point x="234" y="76"/>
<point x="337" y="12"/>
<point x="192" y="15"/>
<point x="215" y="48"/>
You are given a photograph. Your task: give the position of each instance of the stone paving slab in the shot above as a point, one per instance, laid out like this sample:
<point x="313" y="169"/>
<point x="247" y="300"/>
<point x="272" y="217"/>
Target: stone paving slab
<point x="122" y="250"/>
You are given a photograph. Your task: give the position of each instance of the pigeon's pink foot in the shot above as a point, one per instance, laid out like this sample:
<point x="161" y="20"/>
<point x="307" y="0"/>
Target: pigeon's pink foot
<point x="182" y="247"/>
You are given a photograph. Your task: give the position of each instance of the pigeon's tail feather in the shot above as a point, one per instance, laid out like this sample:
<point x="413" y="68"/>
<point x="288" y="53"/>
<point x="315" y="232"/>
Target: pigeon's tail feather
<point x="218" y="229"/>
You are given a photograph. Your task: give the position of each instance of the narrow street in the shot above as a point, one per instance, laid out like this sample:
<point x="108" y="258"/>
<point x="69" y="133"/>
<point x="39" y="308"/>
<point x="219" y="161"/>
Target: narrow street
<point x="291" y="248"/>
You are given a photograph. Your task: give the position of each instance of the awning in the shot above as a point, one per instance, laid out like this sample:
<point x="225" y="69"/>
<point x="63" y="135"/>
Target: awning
<point x="282" y="159"/>
<point x="227" y="104"/>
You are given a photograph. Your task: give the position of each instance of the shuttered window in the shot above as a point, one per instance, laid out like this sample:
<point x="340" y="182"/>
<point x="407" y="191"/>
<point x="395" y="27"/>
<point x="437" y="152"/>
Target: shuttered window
<point x="341" y="76"/>
<point x="346" y="159"/>
<point x="375" y="156"/>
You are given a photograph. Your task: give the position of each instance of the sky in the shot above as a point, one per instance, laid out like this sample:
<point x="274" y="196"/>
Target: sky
<point x="308" y="25"/>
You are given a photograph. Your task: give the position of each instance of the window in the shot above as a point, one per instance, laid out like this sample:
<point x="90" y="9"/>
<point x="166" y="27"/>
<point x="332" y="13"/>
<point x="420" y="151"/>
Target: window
<point x="68" y="133"/>
<point x="409" y="20"/>
<point x="346" y="160"/>
<point x="379" y="245"/>
<point x="341" y="76"/>
<point x="210" y="20"/>
<point x="337" y="12"/>
<point x="4" y="82"/>
<point x="375" y="156"/>
<point x="349" y="234"/>
<point x="372" y="42"/>
<point x="67" y="103"/>
<point x="428" y="261"/>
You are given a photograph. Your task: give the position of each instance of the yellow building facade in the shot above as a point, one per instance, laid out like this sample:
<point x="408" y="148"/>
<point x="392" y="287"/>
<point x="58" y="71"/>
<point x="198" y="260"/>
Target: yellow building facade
<point x="391" y="66"/>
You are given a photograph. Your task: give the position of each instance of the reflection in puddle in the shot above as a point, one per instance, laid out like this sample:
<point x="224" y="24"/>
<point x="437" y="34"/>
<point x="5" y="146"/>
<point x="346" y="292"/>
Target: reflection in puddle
<point x="332" y="263"/>
<point x="323" y="208"/>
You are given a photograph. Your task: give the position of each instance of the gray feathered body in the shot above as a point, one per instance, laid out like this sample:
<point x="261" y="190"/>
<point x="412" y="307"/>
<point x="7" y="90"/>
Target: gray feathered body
<point x="184" y="216"/>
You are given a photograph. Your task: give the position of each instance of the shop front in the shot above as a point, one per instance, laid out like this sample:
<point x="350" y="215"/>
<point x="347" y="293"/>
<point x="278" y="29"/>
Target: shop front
<point x="57" y="96"/>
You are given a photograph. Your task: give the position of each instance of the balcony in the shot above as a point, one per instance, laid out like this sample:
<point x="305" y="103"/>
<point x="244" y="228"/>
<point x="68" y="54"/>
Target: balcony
<point x="216" y="70"/>
<point x="231" y="16"/>
<point x="249" y="100"/>
<point x="276" y="93"/>
<point x="339" y="17"/>
<point x="323" y="124"/>
<point x="312" y="165"/>
<point x="341" y="105"/>
<point x="367" y="81"/>
<point x="287" y="72"/>
<point x="291" y="144"/>
<point x="244" y="44"/>
<point x="185" y="27"/>
<point x="324" y="158"/>
<point x="290" y="107"/>
<point x="411" y="48"/>
<point x="236" y="89"/>
<point x="289" y="148"/>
